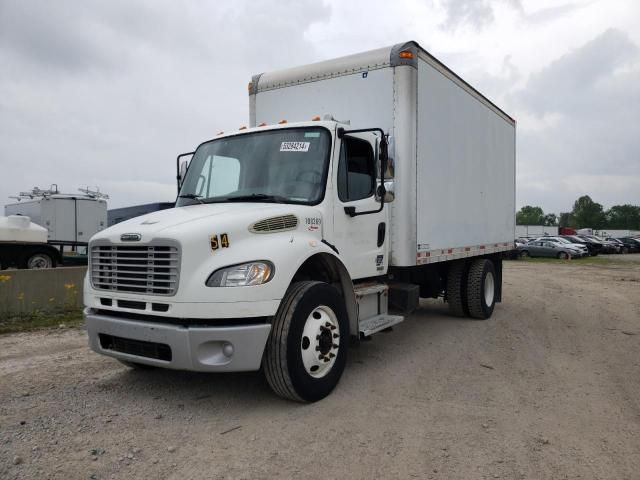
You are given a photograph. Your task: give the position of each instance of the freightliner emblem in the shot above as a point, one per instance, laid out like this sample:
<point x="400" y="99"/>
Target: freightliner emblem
<point x="130" y="237"/>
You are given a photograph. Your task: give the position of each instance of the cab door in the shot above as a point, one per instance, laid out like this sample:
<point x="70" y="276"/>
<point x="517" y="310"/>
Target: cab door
<point x="360" y="233"/>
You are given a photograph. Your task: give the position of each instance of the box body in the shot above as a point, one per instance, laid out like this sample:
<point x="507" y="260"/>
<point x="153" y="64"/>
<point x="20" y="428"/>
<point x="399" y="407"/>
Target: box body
<point x="453" y="150"/>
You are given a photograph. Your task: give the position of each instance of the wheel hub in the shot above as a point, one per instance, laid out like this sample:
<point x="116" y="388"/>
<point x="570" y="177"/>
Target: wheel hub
<point x="320" y="341"/>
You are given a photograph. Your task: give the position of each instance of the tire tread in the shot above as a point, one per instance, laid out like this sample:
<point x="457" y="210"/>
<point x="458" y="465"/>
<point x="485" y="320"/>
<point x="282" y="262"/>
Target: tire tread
<point x="275" y="365"/>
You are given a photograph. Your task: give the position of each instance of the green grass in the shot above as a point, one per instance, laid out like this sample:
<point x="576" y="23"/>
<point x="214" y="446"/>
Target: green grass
<point x="573" y="261"/>
<point x="38" y="321"/>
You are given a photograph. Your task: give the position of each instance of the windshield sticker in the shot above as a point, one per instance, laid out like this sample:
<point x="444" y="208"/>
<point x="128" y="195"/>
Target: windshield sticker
<point x="312" y="135"/>
<point x="294" y="146"/>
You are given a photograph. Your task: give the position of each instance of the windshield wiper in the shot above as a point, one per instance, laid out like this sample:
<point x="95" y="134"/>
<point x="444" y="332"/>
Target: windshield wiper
<point x="192" y="196"/>
<point x="257" y="197"/>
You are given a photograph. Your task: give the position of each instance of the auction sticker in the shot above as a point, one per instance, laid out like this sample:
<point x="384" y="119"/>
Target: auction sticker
<point x="294" y="146"/>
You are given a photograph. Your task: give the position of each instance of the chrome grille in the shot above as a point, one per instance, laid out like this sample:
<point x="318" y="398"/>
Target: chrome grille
<point x="275" y="224"/>
<point x="149" y="269"/>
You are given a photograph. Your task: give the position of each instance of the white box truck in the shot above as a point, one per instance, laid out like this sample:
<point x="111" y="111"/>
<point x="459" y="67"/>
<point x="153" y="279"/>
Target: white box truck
<point x="70" y="220"/>
<point x="300" y="234"/>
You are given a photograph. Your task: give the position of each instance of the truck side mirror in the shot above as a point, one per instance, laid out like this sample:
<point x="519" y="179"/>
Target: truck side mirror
<point x="386" y="191"/>
<point x="182" y="167"/>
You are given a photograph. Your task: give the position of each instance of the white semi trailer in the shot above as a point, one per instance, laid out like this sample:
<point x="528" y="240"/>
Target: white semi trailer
<point x="297" y="235"/>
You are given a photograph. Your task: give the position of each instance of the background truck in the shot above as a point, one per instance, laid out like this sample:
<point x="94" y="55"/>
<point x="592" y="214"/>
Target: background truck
<point x="67" y="220"/>
<point x="294" y="237"/>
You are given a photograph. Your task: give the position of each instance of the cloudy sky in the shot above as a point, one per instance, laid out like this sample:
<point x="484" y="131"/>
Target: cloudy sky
<point x="107" y="93"/>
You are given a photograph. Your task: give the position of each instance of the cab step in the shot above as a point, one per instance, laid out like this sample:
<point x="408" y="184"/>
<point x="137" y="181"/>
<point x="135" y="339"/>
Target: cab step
<point x="371" y="325"/>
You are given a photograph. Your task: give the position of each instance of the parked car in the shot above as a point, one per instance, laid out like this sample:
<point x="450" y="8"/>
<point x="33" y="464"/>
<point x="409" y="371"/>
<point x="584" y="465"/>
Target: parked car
<point x="620" y="243"/>
<point x="607" y="246"/>
<point x="594" y="248"/>
<point x="547" y="248"/>
<point x="632" y="244"/>
<point x="580" y="248"/>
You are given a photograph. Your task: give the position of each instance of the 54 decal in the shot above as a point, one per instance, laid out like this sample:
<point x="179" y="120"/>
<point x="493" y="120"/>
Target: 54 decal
<point x="218" y="242"/>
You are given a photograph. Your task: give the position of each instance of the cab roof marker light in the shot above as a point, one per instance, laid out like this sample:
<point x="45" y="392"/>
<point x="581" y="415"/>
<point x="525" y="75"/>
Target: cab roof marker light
<point x="316" y="118"/>
<point x="219" y="133"/>
<point x="282" y="122"/>
<point x="262" y="124"/>
<point x="406" y="54"/>
<point x="244" y="127"/>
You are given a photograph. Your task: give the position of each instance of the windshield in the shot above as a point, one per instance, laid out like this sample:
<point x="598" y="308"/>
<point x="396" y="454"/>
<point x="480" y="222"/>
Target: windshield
<point x="284" y="166"/>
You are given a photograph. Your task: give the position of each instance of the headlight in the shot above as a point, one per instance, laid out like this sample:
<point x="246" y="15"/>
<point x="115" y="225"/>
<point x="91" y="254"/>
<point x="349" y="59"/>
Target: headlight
<point x="243" y="275"/>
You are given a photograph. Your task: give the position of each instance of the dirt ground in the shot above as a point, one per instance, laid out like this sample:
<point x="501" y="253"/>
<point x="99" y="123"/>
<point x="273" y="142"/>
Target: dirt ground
<point x="548" y="388"/>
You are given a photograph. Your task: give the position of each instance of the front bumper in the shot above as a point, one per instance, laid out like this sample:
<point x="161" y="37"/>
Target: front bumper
<point x="203" y="349"/>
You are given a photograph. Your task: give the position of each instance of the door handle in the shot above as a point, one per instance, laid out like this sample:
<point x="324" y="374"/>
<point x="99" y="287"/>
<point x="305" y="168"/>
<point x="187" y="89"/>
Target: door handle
<point x="382" y="230"/>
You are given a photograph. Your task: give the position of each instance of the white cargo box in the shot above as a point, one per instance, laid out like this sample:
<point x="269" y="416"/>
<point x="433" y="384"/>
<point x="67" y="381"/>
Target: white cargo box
<point x="453" y="150"/>
<point x="67" y="218"/>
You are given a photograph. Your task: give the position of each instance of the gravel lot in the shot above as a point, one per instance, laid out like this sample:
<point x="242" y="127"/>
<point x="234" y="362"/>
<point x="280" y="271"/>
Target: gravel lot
<point x="548" y="388"/>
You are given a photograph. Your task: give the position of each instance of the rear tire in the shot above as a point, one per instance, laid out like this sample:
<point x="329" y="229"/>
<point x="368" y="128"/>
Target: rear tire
<point x="39" y="259"/>
<point x="481" y="289"/>
<point x="456" y="289"/>
<point x="307" y="349"/>
<point x="524" y="254"/>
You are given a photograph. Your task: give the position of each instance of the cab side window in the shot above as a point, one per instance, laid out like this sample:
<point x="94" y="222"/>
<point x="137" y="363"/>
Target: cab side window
<point x="356" y="170"/>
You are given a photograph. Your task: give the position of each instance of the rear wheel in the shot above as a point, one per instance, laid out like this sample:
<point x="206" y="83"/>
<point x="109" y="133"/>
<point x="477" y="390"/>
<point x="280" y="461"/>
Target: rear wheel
<point x="481" y="288"/>
<point x="307" y="349"/>
<point x="456" y="286"/>
<point x="39" y="259"/>
<point x="524" y="254"/>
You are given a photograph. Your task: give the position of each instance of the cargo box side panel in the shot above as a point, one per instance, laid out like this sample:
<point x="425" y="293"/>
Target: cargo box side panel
<point x="363" y="98"/>
<point x="92" y="217"/>
<point x="31" y="209"/>
<point x="465" y="172"/>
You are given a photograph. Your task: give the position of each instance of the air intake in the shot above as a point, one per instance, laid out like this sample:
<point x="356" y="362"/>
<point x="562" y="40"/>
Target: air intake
<point x="275" y="224"/>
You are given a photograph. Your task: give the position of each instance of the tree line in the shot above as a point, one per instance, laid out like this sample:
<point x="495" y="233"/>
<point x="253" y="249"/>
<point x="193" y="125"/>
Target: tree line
<point x="585" y="214"/>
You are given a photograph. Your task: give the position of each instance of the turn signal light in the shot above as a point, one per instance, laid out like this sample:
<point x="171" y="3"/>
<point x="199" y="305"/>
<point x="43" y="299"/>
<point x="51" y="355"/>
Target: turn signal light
<point x="316" y="118"/>
<point x="282" y="122"/>
<point x="406" y="54"/>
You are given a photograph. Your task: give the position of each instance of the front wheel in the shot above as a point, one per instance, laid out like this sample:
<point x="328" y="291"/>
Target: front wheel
<point x="307" y="349"/>
<point x="563" y="255"/>
<point x="524" y="254"/>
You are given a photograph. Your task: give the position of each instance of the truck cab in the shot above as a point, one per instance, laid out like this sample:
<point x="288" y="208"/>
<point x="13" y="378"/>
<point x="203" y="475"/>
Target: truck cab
<point x="291" y="211"/>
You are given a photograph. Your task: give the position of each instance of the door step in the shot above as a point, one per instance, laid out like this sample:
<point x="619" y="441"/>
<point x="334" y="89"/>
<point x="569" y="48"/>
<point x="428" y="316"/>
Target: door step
<point x="371" y="325"/>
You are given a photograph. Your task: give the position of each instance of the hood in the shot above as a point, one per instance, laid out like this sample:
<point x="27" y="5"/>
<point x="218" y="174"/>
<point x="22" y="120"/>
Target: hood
<point x="181" y="221"/>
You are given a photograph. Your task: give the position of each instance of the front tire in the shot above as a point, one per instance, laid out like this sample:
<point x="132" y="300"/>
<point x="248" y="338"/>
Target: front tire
<point x="563" y="255"/>
<point x="524" y="254"/>
<point x="307" y="349"/>
<point x="481" y="289"/>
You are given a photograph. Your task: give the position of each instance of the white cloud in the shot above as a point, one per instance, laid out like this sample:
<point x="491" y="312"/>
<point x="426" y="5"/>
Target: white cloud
<point x="108" y="93"/>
